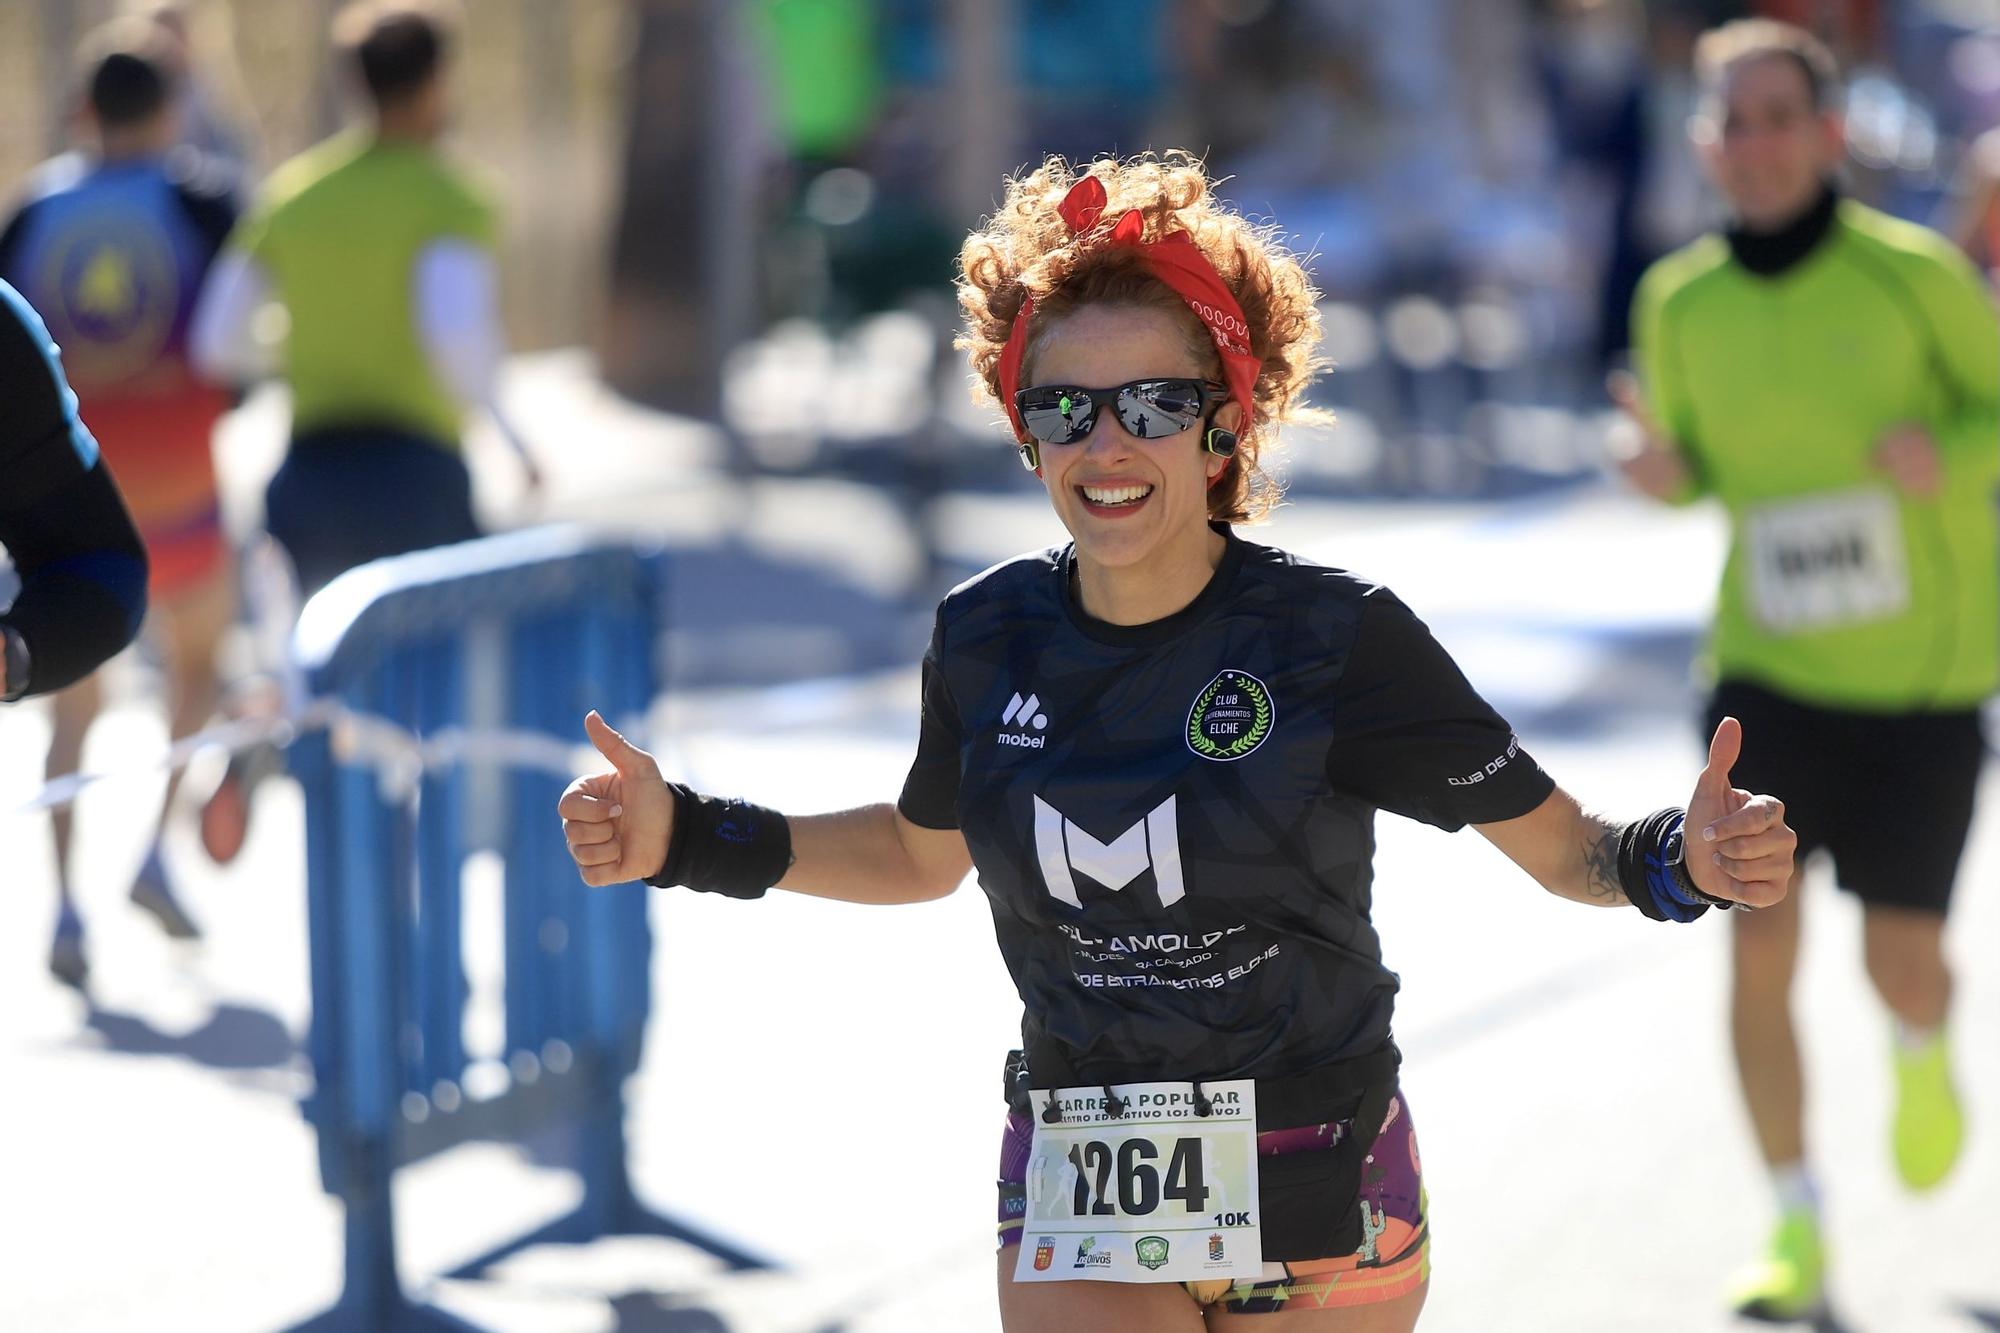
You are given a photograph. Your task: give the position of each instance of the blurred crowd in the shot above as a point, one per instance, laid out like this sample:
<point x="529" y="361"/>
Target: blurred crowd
<point x="1479" y="182"/>
<point x="1534" y="149"/>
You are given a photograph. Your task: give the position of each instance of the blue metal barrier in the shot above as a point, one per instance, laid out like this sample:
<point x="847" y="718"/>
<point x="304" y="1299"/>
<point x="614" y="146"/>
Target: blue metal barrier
<point x="509" y="639"/>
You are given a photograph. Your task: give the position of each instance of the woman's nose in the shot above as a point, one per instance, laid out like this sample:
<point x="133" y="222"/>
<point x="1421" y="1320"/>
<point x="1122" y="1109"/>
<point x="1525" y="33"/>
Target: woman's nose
<point x="1109" y="439"/>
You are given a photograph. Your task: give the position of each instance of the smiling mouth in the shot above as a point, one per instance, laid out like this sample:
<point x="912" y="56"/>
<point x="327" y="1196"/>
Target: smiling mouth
<point x="1114" y="497"/>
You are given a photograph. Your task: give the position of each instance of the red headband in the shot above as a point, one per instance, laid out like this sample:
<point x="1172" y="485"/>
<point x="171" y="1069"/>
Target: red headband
<point x="1176" y="261"/>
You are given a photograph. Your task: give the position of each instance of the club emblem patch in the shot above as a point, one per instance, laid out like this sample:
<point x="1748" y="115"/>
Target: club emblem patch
<point x="1231" y="717"/>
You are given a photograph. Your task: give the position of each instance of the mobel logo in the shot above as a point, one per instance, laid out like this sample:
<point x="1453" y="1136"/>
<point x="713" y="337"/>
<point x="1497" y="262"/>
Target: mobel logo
<point x="1026" y="715"/>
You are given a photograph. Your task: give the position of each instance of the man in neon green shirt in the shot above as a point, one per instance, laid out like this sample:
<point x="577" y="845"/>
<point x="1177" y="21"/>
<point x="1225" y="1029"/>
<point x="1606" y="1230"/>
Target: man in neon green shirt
<point x="382" y="255"/>
<point x="1832" y="376"/>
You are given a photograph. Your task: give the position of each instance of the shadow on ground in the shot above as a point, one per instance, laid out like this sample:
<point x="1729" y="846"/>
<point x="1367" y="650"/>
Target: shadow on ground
<point x="643" y="1312"/>
<point x="234" y="1036"/>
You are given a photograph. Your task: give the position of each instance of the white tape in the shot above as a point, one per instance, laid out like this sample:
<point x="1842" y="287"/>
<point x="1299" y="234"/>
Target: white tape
<point x="398" y="755"/>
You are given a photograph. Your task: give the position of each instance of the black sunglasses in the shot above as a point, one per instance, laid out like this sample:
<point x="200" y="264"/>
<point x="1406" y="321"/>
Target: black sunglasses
<point x="1147" y="409"/>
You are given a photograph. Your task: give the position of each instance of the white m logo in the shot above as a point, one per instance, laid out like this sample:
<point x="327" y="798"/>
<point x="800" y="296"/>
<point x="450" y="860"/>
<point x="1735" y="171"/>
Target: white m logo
<point x="1153" y="843"/>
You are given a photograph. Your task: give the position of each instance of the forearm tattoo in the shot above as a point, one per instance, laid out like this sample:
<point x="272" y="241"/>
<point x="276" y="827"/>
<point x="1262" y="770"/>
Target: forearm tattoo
<point x="1600" y="861"/>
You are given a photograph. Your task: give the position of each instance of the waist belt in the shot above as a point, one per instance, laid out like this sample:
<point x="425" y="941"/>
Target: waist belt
<point x="1330" y="1092"/>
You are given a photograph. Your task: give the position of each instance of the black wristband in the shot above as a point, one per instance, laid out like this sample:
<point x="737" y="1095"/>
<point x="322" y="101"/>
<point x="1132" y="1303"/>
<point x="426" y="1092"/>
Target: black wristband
<point x="723" y="845"/>
<point x="1652" y="872"/>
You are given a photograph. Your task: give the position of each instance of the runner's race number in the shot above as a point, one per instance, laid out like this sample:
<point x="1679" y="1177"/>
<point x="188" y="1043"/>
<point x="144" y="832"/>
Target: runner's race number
<point x="1157" y="1194"/>
<point x="1138" y="1183"/>
<point x="1827" y="562"/>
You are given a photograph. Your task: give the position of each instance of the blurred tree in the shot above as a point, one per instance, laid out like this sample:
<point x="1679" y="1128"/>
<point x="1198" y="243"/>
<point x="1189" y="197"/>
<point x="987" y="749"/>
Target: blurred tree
<point x="681" y="254"/>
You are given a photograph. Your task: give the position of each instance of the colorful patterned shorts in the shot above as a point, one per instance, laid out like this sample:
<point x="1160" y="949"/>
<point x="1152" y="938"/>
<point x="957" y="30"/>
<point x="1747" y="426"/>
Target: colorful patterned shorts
<point x="1394" y="1258"/>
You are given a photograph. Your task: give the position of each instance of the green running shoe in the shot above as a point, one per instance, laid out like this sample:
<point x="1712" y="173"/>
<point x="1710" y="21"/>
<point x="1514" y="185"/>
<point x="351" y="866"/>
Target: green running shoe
<point x="1930" y="1124"/>
<point x="1789" y="1282"/>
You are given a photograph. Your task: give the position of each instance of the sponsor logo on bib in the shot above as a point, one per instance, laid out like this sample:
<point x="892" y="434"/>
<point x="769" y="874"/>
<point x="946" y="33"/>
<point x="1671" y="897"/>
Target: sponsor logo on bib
<point x="1151" y="1250"/>
<point x="1231" y="717"/>
<point x="1215" y="1247"/>
<point x="1089" y="1256"/>
<point x="1045" y="1253"/>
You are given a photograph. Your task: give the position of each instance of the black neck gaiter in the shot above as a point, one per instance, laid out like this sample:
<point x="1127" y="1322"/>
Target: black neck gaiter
<point x="1769" y="253"/>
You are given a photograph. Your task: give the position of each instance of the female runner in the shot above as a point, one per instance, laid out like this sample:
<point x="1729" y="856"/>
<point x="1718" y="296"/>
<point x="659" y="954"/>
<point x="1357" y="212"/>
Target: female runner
<point x="1162" y="747"/>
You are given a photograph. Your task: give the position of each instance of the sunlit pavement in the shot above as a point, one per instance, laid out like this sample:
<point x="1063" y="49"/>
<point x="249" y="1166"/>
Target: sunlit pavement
<point x="821" y="1081"/>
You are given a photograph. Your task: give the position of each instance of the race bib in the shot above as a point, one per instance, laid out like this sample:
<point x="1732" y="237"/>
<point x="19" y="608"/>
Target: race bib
<point x="1829" y="561"/>
<point x="1158" y="1194"/>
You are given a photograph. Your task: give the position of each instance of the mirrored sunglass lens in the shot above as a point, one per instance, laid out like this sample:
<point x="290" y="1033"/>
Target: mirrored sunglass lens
<point x="1056" y="416"/>
<point x="1159" y="407"/>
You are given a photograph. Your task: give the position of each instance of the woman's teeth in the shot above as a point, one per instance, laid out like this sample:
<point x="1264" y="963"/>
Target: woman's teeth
<point x="1115" y="495"/>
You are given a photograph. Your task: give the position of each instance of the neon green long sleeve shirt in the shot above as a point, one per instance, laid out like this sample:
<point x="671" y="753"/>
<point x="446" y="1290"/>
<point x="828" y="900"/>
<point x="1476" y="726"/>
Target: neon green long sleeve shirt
<point x="1839" y="590"/>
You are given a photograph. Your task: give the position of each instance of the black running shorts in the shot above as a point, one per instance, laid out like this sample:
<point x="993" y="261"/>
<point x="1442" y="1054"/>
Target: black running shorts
<point x="1889" y="795"/>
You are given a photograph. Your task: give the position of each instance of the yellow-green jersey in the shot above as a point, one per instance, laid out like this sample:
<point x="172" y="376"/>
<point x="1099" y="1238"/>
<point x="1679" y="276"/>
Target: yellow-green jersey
<point x="339" y="230"/>
<point x="1840" y="590"/>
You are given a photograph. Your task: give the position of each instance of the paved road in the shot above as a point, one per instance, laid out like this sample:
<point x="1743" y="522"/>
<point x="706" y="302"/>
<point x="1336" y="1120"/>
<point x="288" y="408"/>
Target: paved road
<point x="820" y="1081"/>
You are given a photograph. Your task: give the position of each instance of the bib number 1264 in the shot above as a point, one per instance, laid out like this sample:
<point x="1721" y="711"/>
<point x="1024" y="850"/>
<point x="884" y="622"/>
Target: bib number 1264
<point x="1160" y="1193"/>
<point x="1129" y="1169"/>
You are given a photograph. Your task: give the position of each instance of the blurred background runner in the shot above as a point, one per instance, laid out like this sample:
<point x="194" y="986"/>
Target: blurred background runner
<point x="112" y="244"/>
<point x="381" y="255"/>
<point x="1828" y="373"/>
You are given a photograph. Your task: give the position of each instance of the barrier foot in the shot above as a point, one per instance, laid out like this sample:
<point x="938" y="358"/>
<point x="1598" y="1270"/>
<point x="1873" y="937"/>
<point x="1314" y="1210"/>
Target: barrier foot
<point x="588" y="1223"/>
<point x="372" y="1298"/>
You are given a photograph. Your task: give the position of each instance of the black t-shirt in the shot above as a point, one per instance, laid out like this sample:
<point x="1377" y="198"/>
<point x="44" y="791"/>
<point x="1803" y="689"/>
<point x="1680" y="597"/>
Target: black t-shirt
<point x="1174" y="822"/>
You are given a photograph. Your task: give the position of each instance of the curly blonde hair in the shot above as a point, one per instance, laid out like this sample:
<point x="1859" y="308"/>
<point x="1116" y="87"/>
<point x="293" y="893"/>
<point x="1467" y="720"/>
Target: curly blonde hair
<point x="1026" y="249"/>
